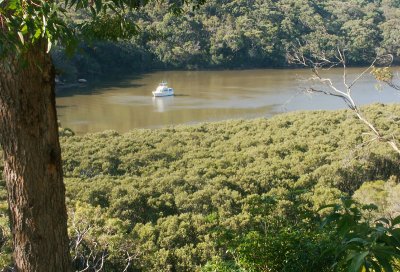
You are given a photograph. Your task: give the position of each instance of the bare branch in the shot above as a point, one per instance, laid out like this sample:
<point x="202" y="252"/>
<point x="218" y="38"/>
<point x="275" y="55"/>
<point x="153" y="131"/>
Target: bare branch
<point x="343" y="61"/>
<point x="393" y="85"/>
<point x="320" y="60"/>
<point x="362" y="73"/>
<point x="129" y="261"/>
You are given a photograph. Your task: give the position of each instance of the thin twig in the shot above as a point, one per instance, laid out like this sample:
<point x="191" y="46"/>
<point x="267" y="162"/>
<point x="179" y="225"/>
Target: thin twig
<point x="346" y="96"/>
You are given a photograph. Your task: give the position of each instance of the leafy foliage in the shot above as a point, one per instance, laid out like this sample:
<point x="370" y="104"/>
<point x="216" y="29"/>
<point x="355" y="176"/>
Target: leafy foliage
<point x="24" y="23"/>
<point x="226" y="196"/>
<point x="365" y="246"/>
<point x="256" y="33"/>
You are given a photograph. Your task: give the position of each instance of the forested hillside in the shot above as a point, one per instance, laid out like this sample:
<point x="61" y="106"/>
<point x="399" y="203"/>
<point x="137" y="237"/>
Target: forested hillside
<point x="226" y="196"/>
<point x="242" y="33"/>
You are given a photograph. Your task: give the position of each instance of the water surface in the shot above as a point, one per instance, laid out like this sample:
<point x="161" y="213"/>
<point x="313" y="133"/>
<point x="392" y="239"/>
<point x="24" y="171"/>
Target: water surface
<point x="201" y="96"/>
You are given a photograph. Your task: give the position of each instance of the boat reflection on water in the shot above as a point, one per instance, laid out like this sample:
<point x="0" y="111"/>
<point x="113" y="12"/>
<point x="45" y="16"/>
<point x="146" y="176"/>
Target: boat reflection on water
<point x="163" y="104"/>
<point x="202" y="96"/>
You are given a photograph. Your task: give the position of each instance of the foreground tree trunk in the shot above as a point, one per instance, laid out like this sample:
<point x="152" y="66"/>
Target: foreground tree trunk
<point x="32" y="162"/>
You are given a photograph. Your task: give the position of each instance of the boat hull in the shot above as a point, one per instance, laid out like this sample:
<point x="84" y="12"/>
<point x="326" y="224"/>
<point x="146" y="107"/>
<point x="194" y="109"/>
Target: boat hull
<point x="156" y="94"/>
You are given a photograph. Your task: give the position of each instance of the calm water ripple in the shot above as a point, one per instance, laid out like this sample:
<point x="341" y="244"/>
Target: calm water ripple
<point x="202" y="96"/>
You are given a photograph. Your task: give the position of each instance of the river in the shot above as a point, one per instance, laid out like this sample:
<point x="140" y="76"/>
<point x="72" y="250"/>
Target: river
<point x="202" y="96"/>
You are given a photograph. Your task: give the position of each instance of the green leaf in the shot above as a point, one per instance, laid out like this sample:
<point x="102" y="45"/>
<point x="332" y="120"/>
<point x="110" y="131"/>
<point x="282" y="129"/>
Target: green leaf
<point x="13" y="4"/>
<point x="73" y="2"/>
<point x="93" y="11"/>
<point x="386" y="251"/>
<point x="384" y="220"/>
<point x="335" y="206"/>
<point x="357" y="240"/>
<point x="395" y="234"/>
<point x="37" y="33"/>
<point x="24" y="29"/>
<point x="396" y="221"/>
<point x="99" y="5"/>
<point x="49" y="44"/>
<point x="350" y="255"/>
<point x="375" y="265"/>
<point x="370" y="207"/>
<point x="44" y="23"/>
<point x="384" y="262"/>
<point x="21" y="37"/>
<point x="357" y="261"/>
<point x="330" y="218"/>
<point x="113" y="8"/>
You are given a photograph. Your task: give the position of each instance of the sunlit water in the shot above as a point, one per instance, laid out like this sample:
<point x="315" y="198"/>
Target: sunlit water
<point x="203" y="96"/>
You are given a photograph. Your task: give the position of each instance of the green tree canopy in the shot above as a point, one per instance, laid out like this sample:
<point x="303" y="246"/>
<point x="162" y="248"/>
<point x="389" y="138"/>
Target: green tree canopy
<point x="28" y="117"/>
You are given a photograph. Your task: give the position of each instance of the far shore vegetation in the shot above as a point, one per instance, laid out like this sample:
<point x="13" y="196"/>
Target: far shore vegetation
<point x="239" y="34"/>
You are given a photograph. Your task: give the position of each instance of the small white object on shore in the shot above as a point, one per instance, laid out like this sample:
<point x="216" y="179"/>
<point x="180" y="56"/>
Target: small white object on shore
<point x="82" y="80"/>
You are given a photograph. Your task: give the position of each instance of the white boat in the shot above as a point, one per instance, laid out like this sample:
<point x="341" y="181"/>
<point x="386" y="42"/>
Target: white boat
<point x="163" y="90"/>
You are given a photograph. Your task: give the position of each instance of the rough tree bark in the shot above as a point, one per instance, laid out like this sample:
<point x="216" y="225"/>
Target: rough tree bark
<point x="32" y="161"/>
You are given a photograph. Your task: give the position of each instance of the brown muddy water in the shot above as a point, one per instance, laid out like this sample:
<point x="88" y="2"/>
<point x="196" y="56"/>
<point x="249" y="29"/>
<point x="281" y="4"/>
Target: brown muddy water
<point x="202" y="96"/>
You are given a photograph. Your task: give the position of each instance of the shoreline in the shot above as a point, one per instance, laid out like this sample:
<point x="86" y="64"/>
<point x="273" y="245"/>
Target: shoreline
<point x="194" y="125"/>
<point x="116" y="76"/>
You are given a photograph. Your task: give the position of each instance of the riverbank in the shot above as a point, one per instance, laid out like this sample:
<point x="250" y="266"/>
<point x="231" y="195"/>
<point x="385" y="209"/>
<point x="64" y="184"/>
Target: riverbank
<point x="241" y="35"/>
<point x="123" y="104"/>
<point x="170" y="189"/>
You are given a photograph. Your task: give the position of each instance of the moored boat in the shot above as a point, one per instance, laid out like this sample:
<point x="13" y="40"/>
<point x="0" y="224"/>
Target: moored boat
<point x="163" y="90"/>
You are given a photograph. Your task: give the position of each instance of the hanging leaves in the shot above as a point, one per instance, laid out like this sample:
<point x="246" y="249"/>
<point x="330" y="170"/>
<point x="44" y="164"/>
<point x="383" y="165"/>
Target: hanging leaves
<point x="25" y="22"/>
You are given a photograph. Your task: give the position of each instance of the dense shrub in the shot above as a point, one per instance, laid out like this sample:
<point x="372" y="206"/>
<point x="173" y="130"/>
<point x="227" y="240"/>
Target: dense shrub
<point x="178" y="198"/>
<point x="243" y="33"/>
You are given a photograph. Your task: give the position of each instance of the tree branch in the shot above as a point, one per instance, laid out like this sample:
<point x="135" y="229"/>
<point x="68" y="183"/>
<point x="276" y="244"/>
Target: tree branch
<point x="346" y="95"/>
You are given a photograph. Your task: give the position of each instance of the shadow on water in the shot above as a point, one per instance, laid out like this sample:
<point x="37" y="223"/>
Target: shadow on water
<point x="126" y="102"/>
<point x="98" y="85"/>
<point x="64" y="106"/>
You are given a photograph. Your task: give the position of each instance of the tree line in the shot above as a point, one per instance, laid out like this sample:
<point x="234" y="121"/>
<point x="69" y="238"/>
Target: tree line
<point x="242" y="34"/>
